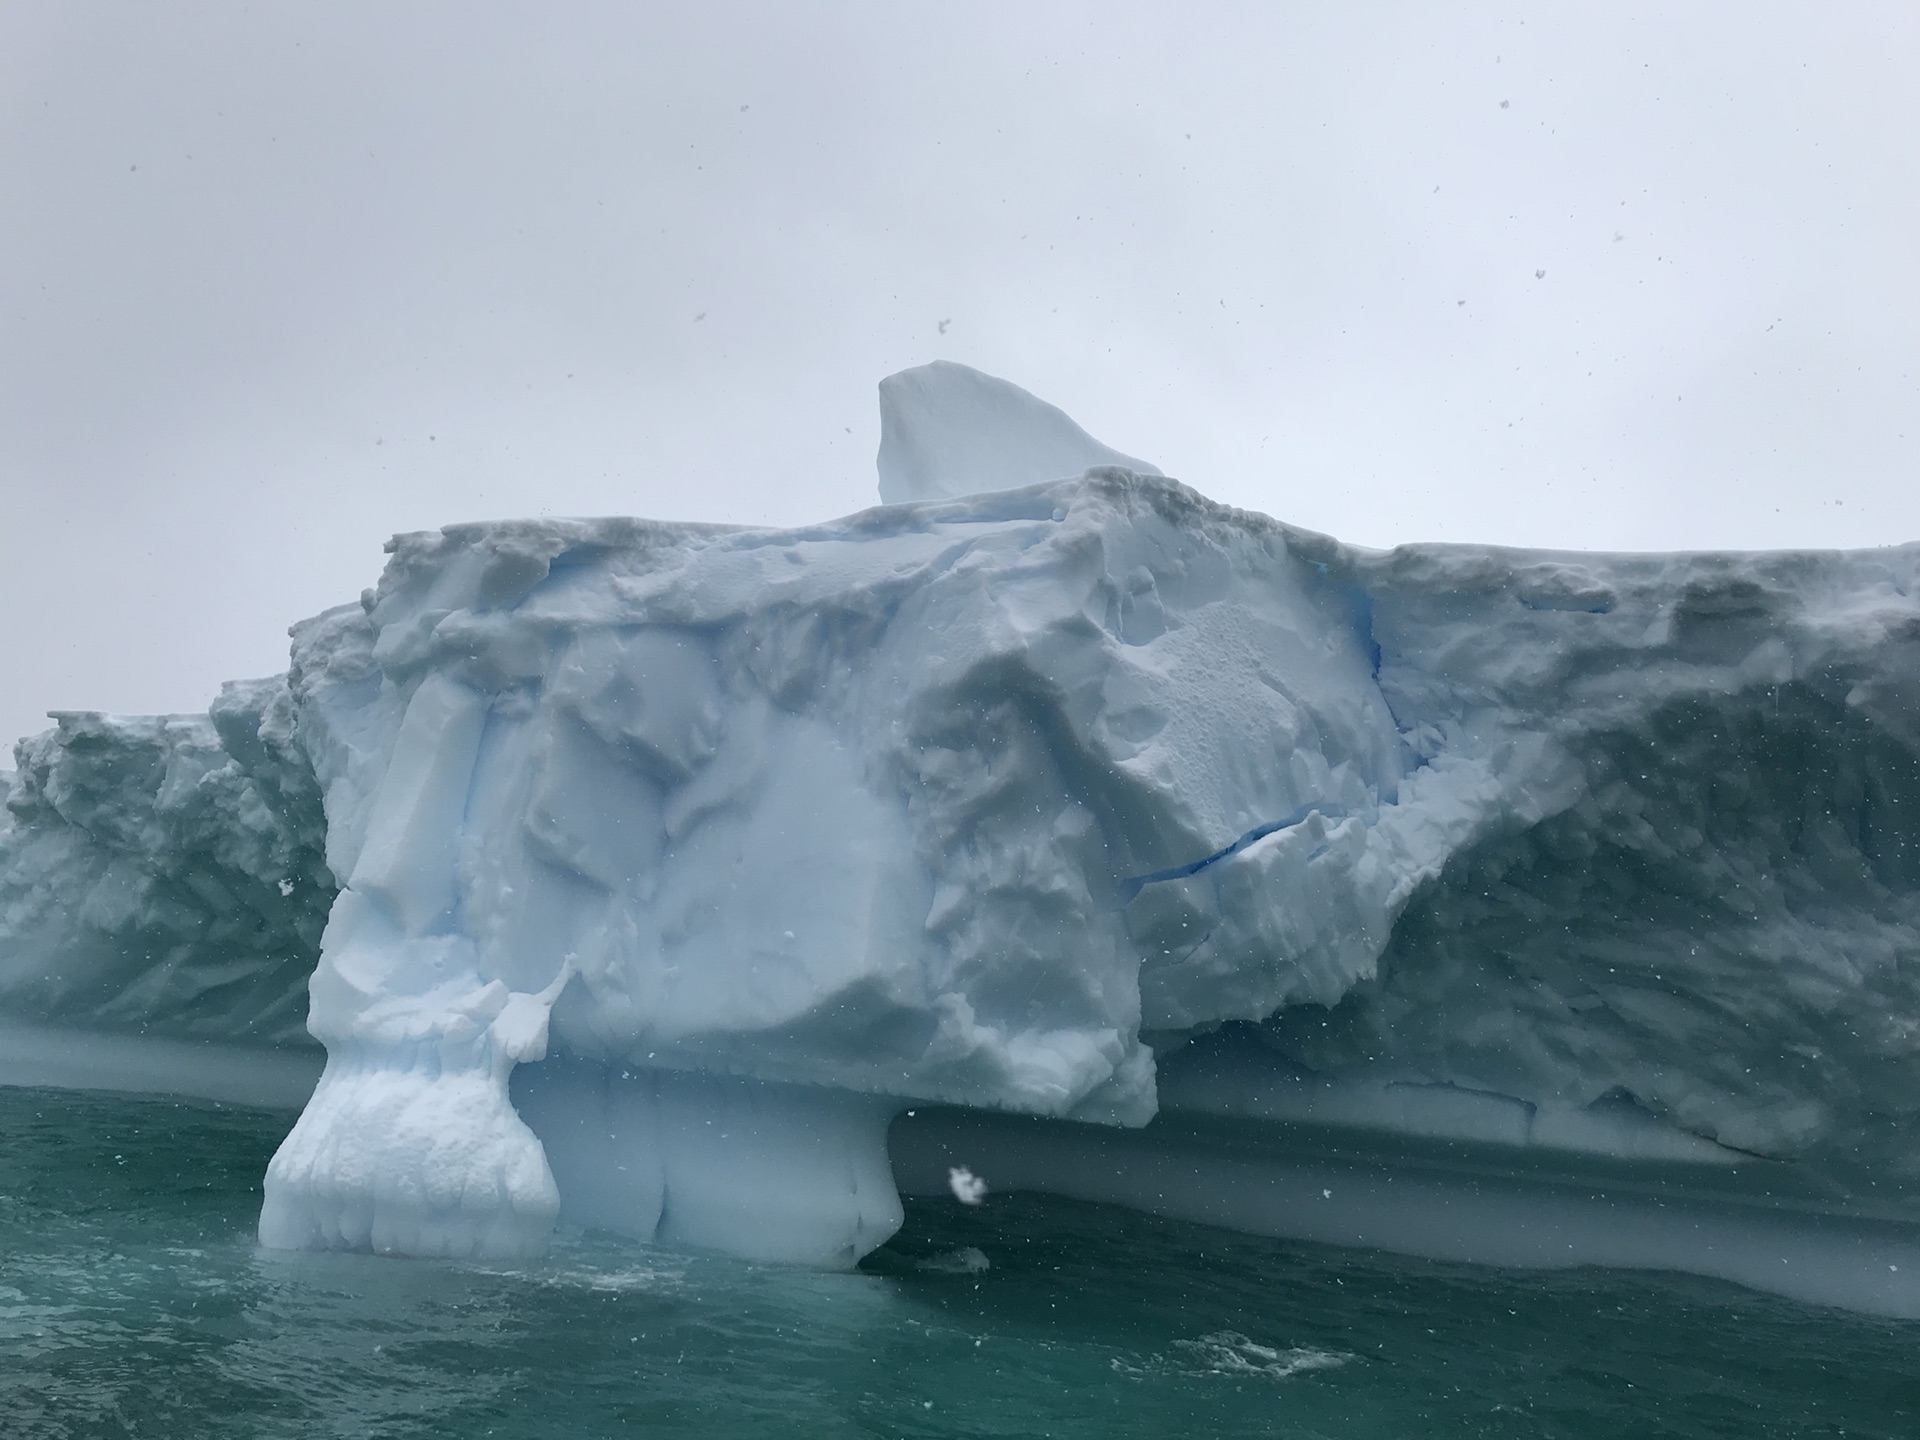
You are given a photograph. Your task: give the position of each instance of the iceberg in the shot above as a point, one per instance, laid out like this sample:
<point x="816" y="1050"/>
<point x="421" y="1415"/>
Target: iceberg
<point x="1050" y="823"/>
<point x="162" y="896"/>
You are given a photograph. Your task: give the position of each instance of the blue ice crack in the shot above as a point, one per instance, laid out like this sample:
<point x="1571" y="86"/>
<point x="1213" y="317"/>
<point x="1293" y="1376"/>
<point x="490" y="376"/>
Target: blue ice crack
<point x="1133" y="885"/>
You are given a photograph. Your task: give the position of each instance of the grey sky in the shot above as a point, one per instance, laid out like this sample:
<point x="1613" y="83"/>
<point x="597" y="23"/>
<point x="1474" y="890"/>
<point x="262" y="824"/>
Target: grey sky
<point x="277" y="281"/>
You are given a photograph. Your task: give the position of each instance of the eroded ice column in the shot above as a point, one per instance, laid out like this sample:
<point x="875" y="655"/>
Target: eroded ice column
<point x="410" y="1144"/>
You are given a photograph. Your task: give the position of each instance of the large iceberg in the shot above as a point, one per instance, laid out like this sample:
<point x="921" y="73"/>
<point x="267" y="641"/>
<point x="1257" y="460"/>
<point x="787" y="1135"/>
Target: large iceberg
<point x="162" y="896"/>
<point x="675" y="864"/>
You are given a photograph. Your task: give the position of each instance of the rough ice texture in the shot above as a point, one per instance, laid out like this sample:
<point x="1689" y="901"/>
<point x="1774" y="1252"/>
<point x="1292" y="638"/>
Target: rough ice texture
<point x="855" y="808"/>
<point x="162" y="876"/>
<point x="980" y="801"/>
<point x="948" y="430"/>
<point x="1718" y="912"/>
<point x="674" y="858"/>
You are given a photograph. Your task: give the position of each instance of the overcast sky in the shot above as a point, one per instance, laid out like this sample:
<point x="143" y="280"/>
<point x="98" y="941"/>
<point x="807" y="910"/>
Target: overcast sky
<point x="278" y="281"/>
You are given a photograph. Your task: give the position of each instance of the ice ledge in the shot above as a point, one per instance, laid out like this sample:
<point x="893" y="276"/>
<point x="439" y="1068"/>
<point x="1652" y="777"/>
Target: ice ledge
<point x="1332" y="1194"/>
<point x="61" y="1058"/>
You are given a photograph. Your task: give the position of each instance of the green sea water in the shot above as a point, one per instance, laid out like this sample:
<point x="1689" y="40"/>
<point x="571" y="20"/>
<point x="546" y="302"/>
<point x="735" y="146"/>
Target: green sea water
<point x="134" y="1302"/>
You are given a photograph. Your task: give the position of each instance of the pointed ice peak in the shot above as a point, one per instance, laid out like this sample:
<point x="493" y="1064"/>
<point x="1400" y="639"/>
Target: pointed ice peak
<point x="948" y="430"/>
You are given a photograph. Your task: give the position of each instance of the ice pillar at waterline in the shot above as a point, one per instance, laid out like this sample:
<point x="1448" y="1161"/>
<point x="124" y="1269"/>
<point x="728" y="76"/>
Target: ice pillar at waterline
<point x="410" y="1144"/>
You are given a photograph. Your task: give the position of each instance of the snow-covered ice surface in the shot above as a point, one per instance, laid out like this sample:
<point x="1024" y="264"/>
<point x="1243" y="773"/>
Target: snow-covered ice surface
<point x="675" y="860"/>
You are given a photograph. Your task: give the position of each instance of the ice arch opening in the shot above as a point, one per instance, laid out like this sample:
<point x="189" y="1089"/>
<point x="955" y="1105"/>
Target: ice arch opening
<point x="787" y="1173"/>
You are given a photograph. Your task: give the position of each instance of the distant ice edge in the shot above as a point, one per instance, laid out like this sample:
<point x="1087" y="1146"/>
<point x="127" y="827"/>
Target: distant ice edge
<point x="663" y="866"/>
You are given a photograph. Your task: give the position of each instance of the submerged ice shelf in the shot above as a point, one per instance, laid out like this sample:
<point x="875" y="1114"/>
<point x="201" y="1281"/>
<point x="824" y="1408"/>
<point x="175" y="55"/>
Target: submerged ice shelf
<point x="662" y="866"/>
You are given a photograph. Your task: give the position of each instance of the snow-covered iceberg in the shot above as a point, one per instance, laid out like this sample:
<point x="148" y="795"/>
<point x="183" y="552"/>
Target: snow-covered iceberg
<point x="162" y="895"/>
<point x="674" y="862"/>
<point x="886" y="811"/>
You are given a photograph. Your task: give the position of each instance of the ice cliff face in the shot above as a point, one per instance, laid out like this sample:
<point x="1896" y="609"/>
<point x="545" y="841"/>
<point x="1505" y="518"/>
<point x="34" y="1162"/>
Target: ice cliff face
<point x="1718" y="912"/>
<point x="675" y="860"/>
<point x="162" y="875"/>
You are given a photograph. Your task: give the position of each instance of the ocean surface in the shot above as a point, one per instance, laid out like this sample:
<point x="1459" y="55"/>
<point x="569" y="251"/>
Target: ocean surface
<point x="134" y="1302"/>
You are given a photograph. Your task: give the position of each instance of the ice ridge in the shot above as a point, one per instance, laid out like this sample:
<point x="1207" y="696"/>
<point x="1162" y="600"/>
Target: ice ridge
<point x="948" y="430"/>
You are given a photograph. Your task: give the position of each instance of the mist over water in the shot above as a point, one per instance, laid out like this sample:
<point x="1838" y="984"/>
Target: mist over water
<point x="134" y="1302"/>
